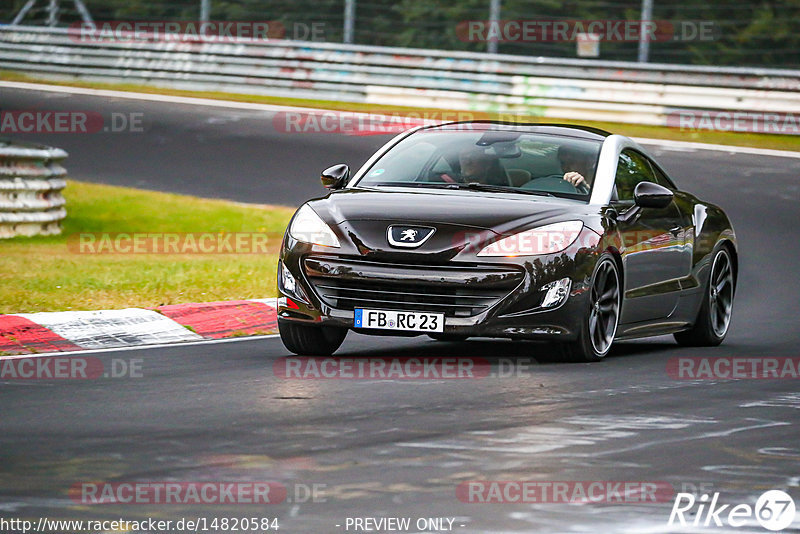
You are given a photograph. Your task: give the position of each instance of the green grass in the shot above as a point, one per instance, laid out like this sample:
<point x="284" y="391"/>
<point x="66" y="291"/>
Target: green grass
<point x="46" y="274"/>
<point x="773" y="141"/>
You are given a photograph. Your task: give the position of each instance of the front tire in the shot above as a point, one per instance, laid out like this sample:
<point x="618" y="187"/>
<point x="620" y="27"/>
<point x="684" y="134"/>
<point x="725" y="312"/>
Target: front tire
<point x="602" y="318"/>
<point x="714" y="316"/>
<point x="311" y="340"/>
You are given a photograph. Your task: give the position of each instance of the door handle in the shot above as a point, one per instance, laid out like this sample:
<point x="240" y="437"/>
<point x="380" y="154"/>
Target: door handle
<point x="675" y="231"/>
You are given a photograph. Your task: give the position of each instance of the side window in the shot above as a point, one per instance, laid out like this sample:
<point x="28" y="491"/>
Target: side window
<point x="662" y="179"/>
<point x="632" y="168"/>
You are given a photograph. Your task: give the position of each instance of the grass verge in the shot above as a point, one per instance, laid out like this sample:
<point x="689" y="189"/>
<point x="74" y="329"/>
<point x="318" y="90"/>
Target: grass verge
<point x="46" y="273"/>
<point x="772" y="141"/>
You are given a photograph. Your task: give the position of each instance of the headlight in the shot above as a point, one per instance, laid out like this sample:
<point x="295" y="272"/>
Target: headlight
<point x="309" y="228"/>
<point x="547" y="239"/>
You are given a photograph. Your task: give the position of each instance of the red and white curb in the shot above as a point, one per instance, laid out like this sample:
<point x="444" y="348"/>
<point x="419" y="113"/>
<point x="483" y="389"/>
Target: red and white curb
<point x="27" y="333"/>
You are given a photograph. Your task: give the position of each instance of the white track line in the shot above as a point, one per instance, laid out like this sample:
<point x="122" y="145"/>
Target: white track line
<point x="130" y="95"/>
<point x="106" y="93"/>
<point x="68" y="354"/>
<point x="730" y="149"/>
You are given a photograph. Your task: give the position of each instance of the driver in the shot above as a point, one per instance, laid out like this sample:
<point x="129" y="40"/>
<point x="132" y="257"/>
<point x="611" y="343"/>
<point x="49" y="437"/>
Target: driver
<point x="576" y="165"/>
<point x="479" y="166"/>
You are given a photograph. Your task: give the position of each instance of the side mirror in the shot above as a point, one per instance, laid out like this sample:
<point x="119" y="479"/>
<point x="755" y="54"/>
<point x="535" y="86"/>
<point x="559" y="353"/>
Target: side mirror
<point x="650" y="195"/>
<point x="335" y="177"/>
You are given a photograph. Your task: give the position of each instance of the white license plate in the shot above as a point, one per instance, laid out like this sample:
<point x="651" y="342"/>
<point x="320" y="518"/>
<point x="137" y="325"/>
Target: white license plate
<point x="399" y="320"/>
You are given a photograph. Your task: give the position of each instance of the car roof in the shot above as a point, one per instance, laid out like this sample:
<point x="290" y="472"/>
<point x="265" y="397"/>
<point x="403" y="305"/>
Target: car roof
<point x="570" y="130"/>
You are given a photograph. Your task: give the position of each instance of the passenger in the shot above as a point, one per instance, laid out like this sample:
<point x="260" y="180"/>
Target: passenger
<point x="479" y="166"/>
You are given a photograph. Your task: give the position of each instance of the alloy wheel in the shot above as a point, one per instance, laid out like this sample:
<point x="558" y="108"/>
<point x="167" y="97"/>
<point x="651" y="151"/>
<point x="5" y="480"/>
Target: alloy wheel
<point x="605" y="306"/>
<point x="720" y="296"/>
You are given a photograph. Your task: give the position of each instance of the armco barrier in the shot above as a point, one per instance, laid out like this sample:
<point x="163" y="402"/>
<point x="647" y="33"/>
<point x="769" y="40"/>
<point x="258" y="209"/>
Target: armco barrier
<point x="31" y="180"/>
<point x="549" y="87"/>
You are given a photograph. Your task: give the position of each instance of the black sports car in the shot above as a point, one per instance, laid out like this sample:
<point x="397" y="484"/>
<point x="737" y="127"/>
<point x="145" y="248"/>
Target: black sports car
<point x="490" y="229"/>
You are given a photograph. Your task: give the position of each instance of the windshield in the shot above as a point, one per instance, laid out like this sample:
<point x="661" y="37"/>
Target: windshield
<point x="494" y="161"/>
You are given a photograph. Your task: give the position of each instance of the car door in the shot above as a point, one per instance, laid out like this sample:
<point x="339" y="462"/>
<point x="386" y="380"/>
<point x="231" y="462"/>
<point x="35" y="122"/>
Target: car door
<point x="650" y="244"/>
<point x="685" y="239"/>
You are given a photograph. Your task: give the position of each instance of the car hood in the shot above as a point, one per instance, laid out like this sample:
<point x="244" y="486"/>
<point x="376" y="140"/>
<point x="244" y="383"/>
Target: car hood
<point x="464" y="221"/>
<point x="498" y="212"/>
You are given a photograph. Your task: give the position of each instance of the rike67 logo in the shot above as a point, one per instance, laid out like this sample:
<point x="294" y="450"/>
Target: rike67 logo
<point x="774" y="510"/>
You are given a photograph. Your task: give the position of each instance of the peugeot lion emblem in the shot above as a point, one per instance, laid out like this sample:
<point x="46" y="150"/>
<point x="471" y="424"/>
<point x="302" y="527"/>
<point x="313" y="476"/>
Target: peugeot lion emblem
<point x="409" y="236"/>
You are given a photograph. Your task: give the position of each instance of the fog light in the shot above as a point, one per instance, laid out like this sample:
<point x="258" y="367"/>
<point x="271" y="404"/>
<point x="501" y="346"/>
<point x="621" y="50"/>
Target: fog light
<point x="288" y="285"/>
<point x="557" y="292"/>
<point x="287" y="280"/>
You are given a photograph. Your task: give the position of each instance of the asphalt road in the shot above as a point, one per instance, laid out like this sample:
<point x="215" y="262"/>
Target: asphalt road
<point x="400" y="448"/>
<point x="212" y="152"/>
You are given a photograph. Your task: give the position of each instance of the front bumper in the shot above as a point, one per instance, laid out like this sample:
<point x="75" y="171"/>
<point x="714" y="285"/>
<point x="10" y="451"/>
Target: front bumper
<point x="516" y="311"/>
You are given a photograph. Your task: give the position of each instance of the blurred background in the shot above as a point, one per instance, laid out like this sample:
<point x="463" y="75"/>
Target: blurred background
<point x="745" y="33"/>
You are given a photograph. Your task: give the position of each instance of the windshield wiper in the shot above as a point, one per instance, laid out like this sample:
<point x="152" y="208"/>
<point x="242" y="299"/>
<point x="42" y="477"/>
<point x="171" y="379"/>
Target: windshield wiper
<point x="478" y="186"/>
<point x="474" y="186"/>
<point x="438" y="185"/>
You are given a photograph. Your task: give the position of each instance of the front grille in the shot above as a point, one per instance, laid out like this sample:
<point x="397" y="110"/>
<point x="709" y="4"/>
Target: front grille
<point x="455" y="290"/>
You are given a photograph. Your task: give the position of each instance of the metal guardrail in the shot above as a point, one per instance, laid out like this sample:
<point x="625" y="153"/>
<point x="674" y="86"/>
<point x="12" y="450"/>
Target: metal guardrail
<point x="550" y="87"/>
<point x="31" y="181"/>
